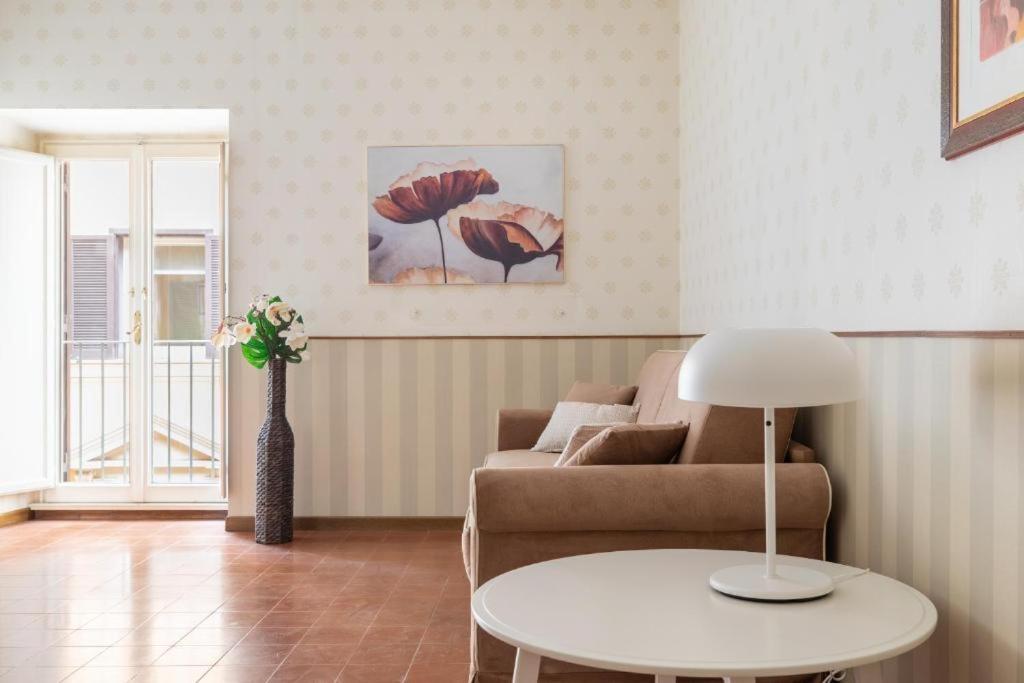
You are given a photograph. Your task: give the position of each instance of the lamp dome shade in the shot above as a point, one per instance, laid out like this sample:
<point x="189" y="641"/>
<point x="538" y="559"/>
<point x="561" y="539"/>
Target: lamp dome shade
<point x="769" y="368"/>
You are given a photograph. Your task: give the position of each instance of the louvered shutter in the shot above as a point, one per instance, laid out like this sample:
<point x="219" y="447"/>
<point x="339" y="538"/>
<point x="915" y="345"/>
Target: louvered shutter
<point x="92" y="290"/>
<point x="213" y="309"/>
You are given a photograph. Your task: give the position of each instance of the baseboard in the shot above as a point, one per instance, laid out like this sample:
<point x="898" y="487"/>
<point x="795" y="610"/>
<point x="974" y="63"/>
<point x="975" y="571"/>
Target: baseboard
<point x="248" y="523"/>
<point x="15" y="516"/>
<point x="128" y="515"/>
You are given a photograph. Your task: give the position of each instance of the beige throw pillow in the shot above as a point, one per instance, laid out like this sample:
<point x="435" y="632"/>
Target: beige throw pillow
<point x="580" y="436"/>
<point x="632" y="444"/>
<point x="590" y="392"/>
<point x="569" y="415"/>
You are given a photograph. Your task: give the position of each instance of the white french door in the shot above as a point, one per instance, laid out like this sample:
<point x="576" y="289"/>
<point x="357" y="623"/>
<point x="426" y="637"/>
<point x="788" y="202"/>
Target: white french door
<point x="143" y="390"/>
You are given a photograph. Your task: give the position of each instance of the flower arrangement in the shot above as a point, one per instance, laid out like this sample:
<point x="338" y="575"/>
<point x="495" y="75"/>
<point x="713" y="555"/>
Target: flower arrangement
<point x="270" y="329"/>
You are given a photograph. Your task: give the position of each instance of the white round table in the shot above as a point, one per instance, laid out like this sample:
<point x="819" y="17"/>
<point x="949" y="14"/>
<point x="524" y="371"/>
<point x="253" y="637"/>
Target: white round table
<point x="653" y="612"/>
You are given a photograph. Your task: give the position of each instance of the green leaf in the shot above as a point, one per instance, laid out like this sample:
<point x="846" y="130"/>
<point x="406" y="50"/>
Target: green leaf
<point x="256" y="347"/>
<point x="256" y="360"/>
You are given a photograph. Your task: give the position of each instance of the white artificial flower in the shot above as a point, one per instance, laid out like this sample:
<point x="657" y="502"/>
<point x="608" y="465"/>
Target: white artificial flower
<point x="260" y="302"/>
<point x="243" y="332"/>
<point x="295" y="336"/>
<point x="279" y="311"/>
<point x="222" y="337"/>
<point x="305" y="356"/>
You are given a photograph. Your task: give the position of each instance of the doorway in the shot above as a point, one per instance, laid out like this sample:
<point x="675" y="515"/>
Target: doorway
<point x="142" y="228"/>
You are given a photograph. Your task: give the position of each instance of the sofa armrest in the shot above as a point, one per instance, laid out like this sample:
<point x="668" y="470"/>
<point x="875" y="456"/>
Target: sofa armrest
<point x="798" y="452"/>
<point x="519" y="428"/>
<point x="701" y="498"/>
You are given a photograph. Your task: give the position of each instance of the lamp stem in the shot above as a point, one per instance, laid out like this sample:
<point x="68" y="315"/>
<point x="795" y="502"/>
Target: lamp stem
<point x="769" y="491"/>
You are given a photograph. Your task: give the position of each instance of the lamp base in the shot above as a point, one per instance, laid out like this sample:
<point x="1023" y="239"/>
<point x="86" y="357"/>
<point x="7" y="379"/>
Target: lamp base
<point x="789" y="583"/>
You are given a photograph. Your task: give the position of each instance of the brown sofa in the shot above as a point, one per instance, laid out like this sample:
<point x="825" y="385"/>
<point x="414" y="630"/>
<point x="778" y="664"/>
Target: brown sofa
<point x="522" y="510"/>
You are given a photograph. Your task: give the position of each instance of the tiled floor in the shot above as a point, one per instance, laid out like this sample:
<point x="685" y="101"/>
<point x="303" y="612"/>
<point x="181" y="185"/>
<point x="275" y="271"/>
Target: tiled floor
<point x="184" y="601"/>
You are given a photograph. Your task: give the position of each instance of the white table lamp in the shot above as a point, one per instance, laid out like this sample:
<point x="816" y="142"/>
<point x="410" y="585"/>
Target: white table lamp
<point x="769" y="369"/>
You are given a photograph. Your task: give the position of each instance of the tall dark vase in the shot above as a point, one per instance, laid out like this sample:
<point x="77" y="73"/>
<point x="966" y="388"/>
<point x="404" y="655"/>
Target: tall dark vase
<point x="275" y="464"/>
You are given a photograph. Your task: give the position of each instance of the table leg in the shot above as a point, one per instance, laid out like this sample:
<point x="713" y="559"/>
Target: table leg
<point x="527" y="667"/>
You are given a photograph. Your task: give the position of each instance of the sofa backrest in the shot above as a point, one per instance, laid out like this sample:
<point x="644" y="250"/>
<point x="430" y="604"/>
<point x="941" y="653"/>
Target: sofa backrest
<point x="717" y="434"/>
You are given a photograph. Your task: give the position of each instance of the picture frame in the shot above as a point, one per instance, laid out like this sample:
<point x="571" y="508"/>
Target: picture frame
<point x="465" y="214"/>
<point x="982" y="82"/>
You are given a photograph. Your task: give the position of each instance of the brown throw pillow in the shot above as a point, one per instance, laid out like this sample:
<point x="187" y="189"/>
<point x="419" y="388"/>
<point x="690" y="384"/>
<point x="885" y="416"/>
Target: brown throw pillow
<point x="580" y="436"/>
<point x="611" y="394"/>
<point x="632" y="444"/>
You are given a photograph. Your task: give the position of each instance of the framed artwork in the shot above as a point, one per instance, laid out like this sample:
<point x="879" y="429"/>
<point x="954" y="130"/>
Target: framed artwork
<point x="465" y="215"/>
<point x="982" y="73"/>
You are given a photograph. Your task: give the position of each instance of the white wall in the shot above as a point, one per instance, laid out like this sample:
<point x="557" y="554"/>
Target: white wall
<point x="14" y="136"/>
<point x="813" y="192"/>
<point x="310" y="85"/>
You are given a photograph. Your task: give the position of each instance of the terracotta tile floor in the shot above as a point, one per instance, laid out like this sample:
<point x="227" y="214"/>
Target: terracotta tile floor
<point x="186" y="601"/>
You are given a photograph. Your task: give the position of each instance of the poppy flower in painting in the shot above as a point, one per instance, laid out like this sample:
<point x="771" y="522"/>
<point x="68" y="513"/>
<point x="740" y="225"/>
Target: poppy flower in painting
<point x="430" y="276"/>
<point x="510" y="234"/>
<point x="431" y="190"/>
<point x="375" y="240"/>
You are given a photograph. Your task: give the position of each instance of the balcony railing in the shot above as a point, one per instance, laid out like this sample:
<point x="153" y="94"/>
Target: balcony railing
<point x="96" y="426"/>
<point x="185" y="405"/>
<point x="186" y="391"/>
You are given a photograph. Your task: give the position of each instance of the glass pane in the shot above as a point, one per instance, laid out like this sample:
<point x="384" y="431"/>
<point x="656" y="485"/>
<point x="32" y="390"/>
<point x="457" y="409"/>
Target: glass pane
<point x="98" y="196"/>
<point x="97" y="370"/>
<point x="171" y="256"/>
<point x="186" y="195"/>
<point x="185" y="300"/>
<point x="178" y="307"/>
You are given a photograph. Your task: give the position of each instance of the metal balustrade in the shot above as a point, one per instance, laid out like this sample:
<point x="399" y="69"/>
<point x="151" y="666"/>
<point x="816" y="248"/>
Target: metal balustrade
<point x="186" y="418"/>
<point x="96" y="446"/>
<point x="185" y="412"/>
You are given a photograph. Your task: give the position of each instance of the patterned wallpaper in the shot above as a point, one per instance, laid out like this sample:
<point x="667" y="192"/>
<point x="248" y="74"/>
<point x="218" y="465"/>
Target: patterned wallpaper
<point x="813" y="192"/>
<point x="311" y="83"/>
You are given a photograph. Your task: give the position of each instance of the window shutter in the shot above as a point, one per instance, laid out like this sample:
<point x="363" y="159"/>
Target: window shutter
<point x="214" y="285"/>
<point x="92" y="289"/>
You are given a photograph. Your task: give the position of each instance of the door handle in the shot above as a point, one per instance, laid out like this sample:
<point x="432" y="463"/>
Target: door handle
<point x="136" y="331"/>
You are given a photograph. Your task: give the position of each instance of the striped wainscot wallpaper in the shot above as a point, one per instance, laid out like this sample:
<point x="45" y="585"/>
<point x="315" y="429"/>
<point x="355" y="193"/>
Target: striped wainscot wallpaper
<point x="927" y="479"/>
<point x="394" y="426"/>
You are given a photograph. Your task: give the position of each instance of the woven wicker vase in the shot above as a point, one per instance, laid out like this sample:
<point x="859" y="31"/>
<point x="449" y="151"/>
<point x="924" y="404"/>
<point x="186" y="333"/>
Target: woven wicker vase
<point x="275" y="464"/>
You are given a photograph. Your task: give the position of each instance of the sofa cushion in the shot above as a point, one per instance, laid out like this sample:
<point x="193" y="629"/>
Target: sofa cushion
<point x="720" y="434"/>
<point x="633" y="444"/>
<point x="580" y="436"/>
<point x="569" y="415"/>
<point x="520" y="458"/>
<point x="655" y="374"/>
<point x="590" y="392"/>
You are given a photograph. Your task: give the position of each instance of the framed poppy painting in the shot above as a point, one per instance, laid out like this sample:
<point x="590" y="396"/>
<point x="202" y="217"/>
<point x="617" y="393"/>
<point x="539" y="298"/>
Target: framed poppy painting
<point x="465" y="215"/>
<point x="982" y="73"/>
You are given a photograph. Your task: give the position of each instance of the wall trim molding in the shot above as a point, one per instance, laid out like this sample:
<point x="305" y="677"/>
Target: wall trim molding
<point x="15" y="516"/>
<point x="667" y="335"/>
<point x="108" y="515"/>
<point x="248" y="523"/>
<point x="935" y="334"/>
<point x="938" y="334"/>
